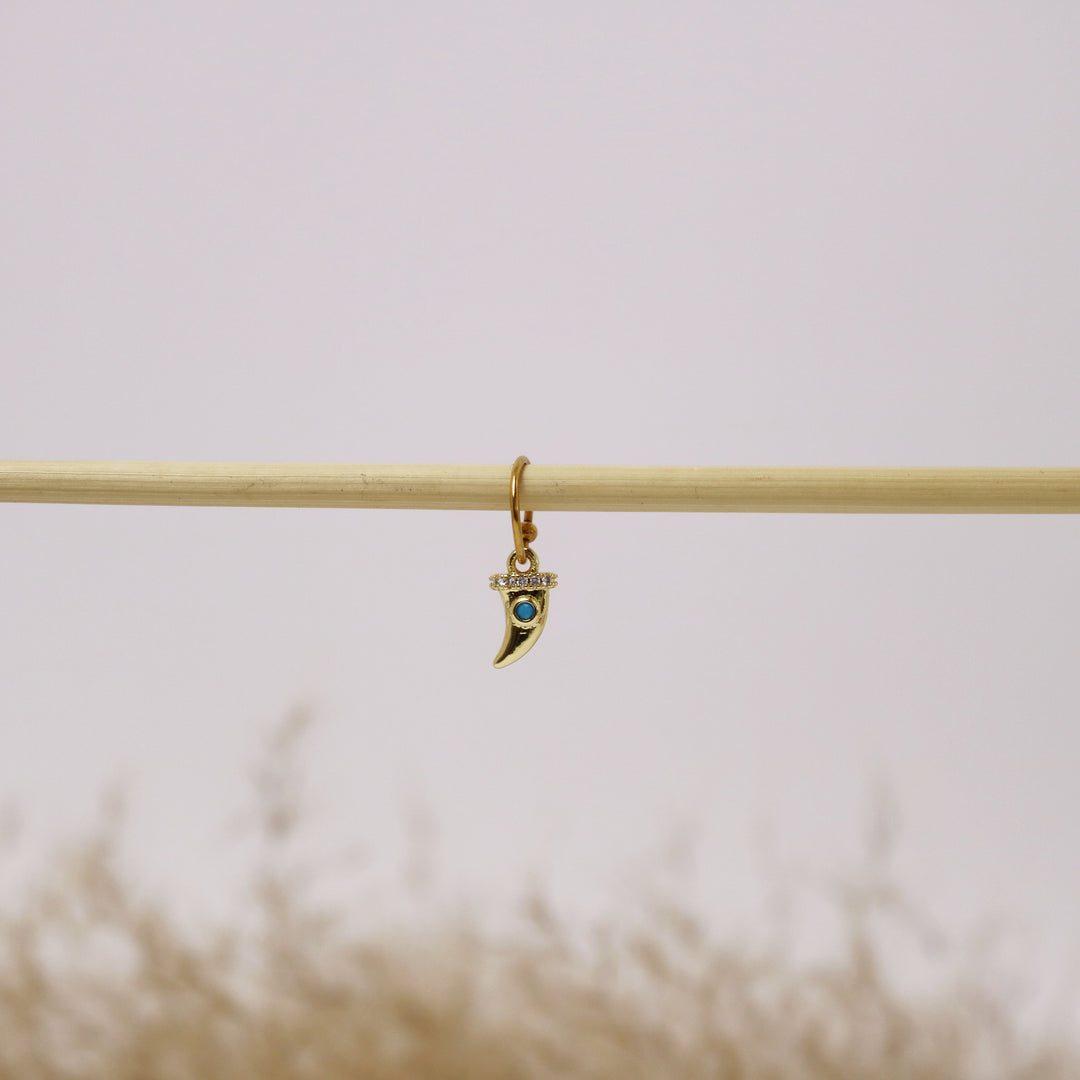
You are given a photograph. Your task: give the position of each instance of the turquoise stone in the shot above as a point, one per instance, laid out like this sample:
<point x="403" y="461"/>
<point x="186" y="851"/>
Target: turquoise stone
<point x="525" y="610"/>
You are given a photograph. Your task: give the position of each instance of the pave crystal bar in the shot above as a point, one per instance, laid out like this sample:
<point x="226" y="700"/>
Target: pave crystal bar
<point x="524" y="581"/>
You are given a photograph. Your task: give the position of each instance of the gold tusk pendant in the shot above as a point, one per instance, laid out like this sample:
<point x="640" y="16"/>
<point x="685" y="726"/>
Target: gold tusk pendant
<point x="525" y="597"/>
<point x="524" y="593"/>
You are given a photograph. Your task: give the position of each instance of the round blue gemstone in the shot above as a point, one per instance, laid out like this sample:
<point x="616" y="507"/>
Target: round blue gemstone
<point x="525" y="610"/>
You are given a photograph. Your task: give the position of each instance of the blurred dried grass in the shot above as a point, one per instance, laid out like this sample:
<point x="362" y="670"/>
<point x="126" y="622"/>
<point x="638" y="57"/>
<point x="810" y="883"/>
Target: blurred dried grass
<point x="96" y="981"/>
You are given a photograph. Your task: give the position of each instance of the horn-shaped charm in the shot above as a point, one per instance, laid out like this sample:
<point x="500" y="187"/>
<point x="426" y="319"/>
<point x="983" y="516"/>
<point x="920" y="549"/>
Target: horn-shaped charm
<point x="525" y="597"/>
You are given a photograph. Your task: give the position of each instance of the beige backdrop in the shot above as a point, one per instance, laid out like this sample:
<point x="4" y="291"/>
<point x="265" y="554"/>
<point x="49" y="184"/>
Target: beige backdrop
<point x="704" y="233"/>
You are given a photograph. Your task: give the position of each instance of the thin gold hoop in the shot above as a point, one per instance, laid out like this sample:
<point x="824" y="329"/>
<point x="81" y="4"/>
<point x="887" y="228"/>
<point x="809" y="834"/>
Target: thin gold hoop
<point x="524" y="531"/>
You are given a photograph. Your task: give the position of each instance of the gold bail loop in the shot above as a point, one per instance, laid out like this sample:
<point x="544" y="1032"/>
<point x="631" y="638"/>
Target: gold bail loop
<point x="524" y="531"/>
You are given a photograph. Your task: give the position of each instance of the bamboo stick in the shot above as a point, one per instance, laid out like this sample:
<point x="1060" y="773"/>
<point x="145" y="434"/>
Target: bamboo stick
<point x="549" y="487"/>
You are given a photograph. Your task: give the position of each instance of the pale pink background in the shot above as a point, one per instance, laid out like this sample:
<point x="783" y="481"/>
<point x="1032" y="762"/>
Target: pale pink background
<point x="779" y="233"/>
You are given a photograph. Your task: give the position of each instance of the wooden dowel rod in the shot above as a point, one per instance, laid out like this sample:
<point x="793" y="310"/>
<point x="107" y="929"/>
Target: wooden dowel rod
<point x="549" y="487"/>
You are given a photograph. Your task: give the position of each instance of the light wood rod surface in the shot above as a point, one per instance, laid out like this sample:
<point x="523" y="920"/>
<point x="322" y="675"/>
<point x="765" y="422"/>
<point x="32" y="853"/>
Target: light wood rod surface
<point x="549" y="487"/>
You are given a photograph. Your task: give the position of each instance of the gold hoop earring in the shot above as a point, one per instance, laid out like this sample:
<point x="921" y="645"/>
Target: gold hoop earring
<point x="524" y="593"/>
